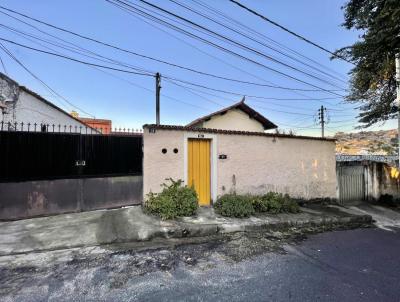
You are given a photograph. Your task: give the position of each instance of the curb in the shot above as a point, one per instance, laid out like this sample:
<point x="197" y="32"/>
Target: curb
<point x="202" y="230"/>
<point x="181" y="230"/>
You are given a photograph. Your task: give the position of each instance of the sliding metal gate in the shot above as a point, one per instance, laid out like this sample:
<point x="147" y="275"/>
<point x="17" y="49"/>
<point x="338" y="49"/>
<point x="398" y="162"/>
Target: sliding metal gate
<point x="351" y="183"/>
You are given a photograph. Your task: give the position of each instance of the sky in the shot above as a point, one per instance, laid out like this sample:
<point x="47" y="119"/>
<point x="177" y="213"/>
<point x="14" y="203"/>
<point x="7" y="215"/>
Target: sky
<point x="129" y="99"/>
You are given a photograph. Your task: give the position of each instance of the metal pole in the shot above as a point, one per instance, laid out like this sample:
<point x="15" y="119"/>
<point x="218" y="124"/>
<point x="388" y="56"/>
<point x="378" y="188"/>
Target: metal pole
<point x="322" y="109"/>
<point x="398" y="101"/>
<point x="158" y="88"/>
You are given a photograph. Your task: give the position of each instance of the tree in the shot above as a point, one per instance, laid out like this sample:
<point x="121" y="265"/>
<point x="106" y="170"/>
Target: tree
<point x="373" y="80"/>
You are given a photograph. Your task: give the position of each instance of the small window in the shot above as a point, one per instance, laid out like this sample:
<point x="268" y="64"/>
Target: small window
<point x="176" y="150"/>
<point x="164" y="150"/>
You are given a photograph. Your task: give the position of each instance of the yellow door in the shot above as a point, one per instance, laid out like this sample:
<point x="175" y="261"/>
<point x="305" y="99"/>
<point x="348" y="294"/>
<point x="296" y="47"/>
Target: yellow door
<point x="199" y="169"/>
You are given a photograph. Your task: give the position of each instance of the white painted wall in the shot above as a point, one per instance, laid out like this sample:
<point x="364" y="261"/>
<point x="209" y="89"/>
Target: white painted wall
<point x="233" y="119"/>
<point x="27" y="108"/>
<point x="303" y="168"/>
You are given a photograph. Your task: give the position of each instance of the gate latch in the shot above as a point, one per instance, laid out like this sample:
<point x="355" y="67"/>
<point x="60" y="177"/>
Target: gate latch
<point x="80" y="163"/>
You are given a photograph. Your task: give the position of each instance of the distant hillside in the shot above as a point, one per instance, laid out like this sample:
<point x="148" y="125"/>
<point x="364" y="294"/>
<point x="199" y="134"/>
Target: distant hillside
<point x="367" y="142"/>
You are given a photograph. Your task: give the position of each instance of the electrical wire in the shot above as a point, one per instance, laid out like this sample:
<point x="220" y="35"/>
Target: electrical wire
<point x="221" y="14"/>
<point x="76" y="60"/>
<point x="149" y="57"/>
<point x="94" y="65"/>
<point x="180" y="4"/>
<point x="41" y="81"/>
<point x="3" y="65"/>
<point x="288" y="30"/>
<point x="192" y="35"/>
<point x="227" y="39"/>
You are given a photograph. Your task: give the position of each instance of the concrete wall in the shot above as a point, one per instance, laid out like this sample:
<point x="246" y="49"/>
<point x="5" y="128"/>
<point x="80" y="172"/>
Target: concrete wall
<point x="233" y="120"/>
<point x="389" y="183"/>
<point x="47" y="197"/>
<point x="303" y="168"/>
<point x="158" y="166"/>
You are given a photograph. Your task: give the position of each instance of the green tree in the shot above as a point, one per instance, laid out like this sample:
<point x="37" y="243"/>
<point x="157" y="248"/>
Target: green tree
<point x="373" y="80"/>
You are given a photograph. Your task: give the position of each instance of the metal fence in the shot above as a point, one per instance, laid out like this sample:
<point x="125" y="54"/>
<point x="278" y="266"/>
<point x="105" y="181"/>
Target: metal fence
<point x="43" y="127"/>
<point x="55" y="153"/>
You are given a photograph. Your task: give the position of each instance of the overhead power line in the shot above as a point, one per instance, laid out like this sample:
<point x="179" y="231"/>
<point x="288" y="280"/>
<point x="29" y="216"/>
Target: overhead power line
<point x="131" y="72"/>
<point x="115" y="69"/>
<point x="234" y="66"/>
<point x="74" y="48"/>
<point x="129" y="4"/>
<point x="3" y="65"/>
<point x="187" y="7"/>
<point x="133" y="9"/>
<point x="232" y="21"/>
<point x="8" y="52"/>
<point x="225" y="62"/>
<point x="156" y="59"/>
<point x="75" y="60"/>
<point x="289" y="31"/>
<point x="242" y="94"/>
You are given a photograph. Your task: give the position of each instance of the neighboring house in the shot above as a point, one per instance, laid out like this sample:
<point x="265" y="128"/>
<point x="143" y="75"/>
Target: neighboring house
<point x="238" y="156"/>
<point x="20" y="106"/>
<point x="239" y="116"/>
<point x="102" y="125"/>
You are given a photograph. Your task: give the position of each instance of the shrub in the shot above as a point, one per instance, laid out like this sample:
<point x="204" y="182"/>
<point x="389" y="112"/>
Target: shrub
<point x="290" y="206"/>
<point x="232" y="205"/>
<point x="175" y="200"/>
<point x="260" y="203"/>
<point x="273" y="202"/>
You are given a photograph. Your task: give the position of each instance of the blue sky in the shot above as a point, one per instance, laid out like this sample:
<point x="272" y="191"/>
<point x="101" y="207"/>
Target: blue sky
<point x="129" y="99"/>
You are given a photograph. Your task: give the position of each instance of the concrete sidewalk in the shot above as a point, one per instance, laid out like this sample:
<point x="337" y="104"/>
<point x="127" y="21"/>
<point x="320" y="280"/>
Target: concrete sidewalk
<point x="132" y="225"/>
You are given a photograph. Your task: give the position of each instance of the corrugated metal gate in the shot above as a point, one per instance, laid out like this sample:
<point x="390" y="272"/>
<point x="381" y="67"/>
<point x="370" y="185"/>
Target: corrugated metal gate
<point x="351" y="182"/>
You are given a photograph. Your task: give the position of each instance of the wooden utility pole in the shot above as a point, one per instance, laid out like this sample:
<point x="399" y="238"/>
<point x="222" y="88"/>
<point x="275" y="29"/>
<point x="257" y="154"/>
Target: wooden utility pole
<point x="321" y="117"/>
<point x="398" y="102"/>
<point x="158" y="88"/>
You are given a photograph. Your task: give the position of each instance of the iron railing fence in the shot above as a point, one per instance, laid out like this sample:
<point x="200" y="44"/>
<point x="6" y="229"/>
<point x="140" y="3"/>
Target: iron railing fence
<point x="43" y="127"/>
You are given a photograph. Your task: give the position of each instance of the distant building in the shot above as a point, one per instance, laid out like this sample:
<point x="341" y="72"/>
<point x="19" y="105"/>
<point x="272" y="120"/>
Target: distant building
<point x="25" y="110"/>
<point x="102" y="125"/>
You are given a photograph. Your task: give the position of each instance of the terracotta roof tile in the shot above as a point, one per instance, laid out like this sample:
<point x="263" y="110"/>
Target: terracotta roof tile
<point x="232" y="132"/>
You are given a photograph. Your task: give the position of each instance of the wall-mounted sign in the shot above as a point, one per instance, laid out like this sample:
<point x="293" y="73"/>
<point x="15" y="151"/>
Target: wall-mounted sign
<point x="222" y="156"/>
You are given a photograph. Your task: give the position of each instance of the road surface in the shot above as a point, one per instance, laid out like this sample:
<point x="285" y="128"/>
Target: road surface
<point x="352" y="265"/>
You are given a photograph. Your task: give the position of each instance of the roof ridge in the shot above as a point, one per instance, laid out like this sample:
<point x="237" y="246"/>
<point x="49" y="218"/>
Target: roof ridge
<point x="267" y="124"/>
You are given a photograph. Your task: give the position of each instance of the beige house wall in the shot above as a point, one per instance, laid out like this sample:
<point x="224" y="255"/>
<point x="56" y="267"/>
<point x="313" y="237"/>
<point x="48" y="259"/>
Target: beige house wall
<point x="303" y="168"/>
<point x="158" y="166"/>
<point x="233" y="120"/>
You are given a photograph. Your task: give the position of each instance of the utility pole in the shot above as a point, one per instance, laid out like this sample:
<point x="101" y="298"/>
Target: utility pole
<point x="158" y="88"/>
<point x="322" y="121"/>
<point x="398" y="102"/>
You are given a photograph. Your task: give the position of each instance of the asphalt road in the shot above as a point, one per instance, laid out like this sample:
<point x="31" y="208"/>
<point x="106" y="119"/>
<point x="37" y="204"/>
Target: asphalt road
<point x="353" y="265"/>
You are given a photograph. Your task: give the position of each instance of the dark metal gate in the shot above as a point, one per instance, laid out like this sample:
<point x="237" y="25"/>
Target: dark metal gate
<point x="36" y="155"/>
<point x="351" y="181"/>
<point x="44" y="173"/>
